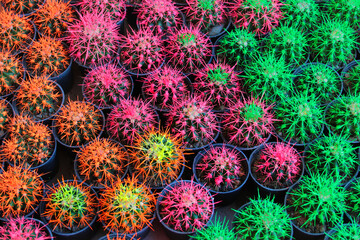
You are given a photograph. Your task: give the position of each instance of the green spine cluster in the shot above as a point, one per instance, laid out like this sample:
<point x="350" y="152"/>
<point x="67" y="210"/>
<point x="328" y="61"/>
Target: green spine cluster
<point x="345" y="10"/>
<point x="353" y="199"/>
<point x="345" y="232"/>
<point x="352" y="79"/>
<point x="217" y="229"/>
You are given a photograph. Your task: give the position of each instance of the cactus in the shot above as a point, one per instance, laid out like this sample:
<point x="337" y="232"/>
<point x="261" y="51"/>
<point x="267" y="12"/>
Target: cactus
<point x="262" y="219"/>
<point x="353" y="199"/>
<point x="93" y="39"/>
<point x="38" y="98"/>
<point x="160" y="16"/>
<point x="69" y="206"/>
<point x="16" y="32"/>
<point x="157" y="158"/>
<point x="277" y="166"/>
<point x="163" y="87"/>
<point x="237" y="47"/>
<point x="216" y="230"/>
<point x="186" y="206"/>
<point x="206" y="14"/>
<point x="258" y="16"/>
<point x="6" y="114"/>
<point x="222" y="168"/>
<point x="188" y="49"/>
<point x="193" y="121"/>
<point x="106" y="85"/>
<point x="352" y="79"/>
<point x="345" y="10"/>
<point x="53" y="18"/>
<point x="248" y="122"/>
<point x="301" y="116"/>
<point x="101" y="161"/>
<point x="24" y="229"/>
<point x="78" y="123"/>
<point x="343" y="116"/>
<point x="142" y="51"/>
<point x="303" y="14"/>
<point x="130" y="118"/>
<point x="317" y="203"/>
<point x="126" y="206"/>
<point x="290" y="43"/>
<point x="219" y="83"/>
<point x="345" y="231"/>
<point x="332" y="155"/>
<point x="268" y="76"/>
<point x="29" y="143"/>
<point x="333" y="42"/>
<point x="21" y="190"/>
<point x="319" y="80"/>
<point x="113" y="8"/>
<point x="22" y="6"/>
<point x="11" y="73"/>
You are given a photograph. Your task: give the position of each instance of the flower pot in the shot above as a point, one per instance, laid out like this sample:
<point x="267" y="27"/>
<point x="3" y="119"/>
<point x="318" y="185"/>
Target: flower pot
<point x="344" y="73"/>
<point x="113" y="236"/>
<point x="223" y="198"/>
<point x="65" y="79"/>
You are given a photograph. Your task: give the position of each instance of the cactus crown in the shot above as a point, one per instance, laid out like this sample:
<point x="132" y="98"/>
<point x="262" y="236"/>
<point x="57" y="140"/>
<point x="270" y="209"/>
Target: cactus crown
<point x="16" y="32"/>
<point x="11" y="73"/>
<point x="126" y="206"/>
<point x="101" y="161"/>
<point x="352" y="79"/>
<point x="222" y="168"/>
<point x="21" y="190"/>
<point x="332" y="155"/>
<point x="23" y="229"/>
<point x="106" y="85"/>
<point x="6" y="114"/>
<point x="157" y="158"/>
<point x="29" y="143"/>
<point x="345" y="10"/>
<point x="78" y="123"/>
<point x="248" y="122"/>
<point x="22" y="6"/>
<point x="345" y="231"/>
<point x="113" y="8"/>
<point x="69" y="206"/>
<point x="262" y="219"/>
<point x="353" y="199"/>
<point x="93" y="39"/>
<point x="319" y="80"/>
<point x="38" y="98"/>
<point x="130" y="118"/>
<point x="53" y="18"/>
<point x="186" y="206"/>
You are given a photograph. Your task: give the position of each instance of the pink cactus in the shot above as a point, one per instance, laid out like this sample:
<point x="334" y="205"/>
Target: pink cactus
<point x="164" y="87"/>
<point x="193" y="121"/>
<point x="188" y="49"/>
<point x="278" y="165"/>
<point x="260" y="17"/>
<point x="219" y="83"/>
<point x="248" y="123"/>
<point x="23" y="229"/>
<point x="114" y="8"/>
<point x="93" y="39"/>
<point x="130" y="118"/>
<point x="106" y="85"/>
<point x="142" y="51"/>
<point x="222" y="168"/>
<point x="186" y="207"/>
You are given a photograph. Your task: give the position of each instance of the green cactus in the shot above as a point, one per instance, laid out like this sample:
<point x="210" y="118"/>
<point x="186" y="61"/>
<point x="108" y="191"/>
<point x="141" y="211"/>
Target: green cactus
<point x="352" y="79"/>
<point x="345" y="232"/>
<point x="353" y="200"/>
<point x="345" y="10"/>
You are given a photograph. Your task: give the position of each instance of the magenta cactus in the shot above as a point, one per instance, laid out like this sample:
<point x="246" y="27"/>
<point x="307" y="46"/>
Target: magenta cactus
<point x="220" y="84"/>
<point x="278" y="165"/>
<point x="23" y="229"/>
<point x="258" y="16"/>
<point x="188" y="49"/>
<point x="193" y="121"/>
<point x="186" y="206"/>
<point x="106" y="85"/>
<point x="248" y="123"/>
<point x="114" y="8"/>
<point x="93" y="38"/>
<point x="130" y="118"/>
<point x="142" y="51"/>
<point x="164" y="87"/>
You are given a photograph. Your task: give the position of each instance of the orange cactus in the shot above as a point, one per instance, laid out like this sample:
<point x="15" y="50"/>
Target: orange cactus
<point x="47" y="56"/>
<point x="53" y="18"/>
<point x="11" y="72"/>
<point x="5" y="116"/>
<point x="22" y="6"/>
<point x="16" y="32"/>
<point x="21" y="190"/>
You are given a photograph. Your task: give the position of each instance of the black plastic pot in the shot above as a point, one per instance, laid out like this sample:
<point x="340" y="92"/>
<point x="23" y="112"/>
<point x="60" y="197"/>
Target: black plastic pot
<point x="65" y="78"/>
<point x="85" y="233"/>
<point x="114" y="236"/>
<point x="345" y="71"/>
<point x="46" y="228"/>
<point x="228" y="197"/>
<point x="171" y="233"/>
<point x="279" y="194"/>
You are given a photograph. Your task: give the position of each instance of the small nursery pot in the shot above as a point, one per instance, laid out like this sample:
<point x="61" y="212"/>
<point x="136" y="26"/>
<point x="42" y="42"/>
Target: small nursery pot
<point x="264" y="191"/>
<point x="85" y="233"/>
<point x="345" y="71"/>
<point x="3" y="134"/>
<point x="227" y="197"/>
<point x="114" y="236"/>
<point x="171" y="233"/>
